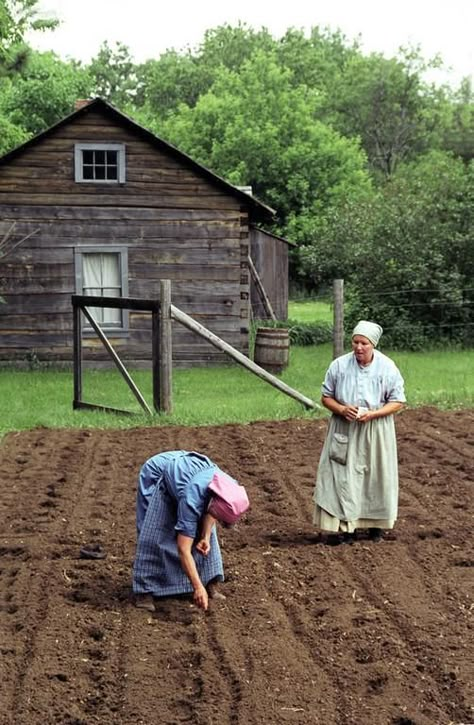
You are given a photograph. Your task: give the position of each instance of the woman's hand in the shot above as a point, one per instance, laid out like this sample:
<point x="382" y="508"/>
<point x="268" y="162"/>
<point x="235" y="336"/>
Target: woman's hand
<point x="201" y="597"/>
<point x="204" y="543"/>
<point x="349" y="412"/>
<point x="185" y="544"/>
<point x="203" y="546"/>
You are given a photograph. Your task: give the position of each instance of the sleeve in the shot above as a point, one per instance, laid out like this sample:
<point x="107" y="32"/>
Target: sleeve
<point x="328" y="388"/>
<point x="190" y="510"/>
<point x="396" y="388"/>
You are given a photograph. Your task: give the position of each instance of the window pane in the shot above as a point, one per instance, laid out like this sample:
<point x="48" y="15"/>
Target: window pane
<point x="88" y="172"/>
<point x="112" y="317"/>
<point x="96" y="313"/>
<point x="112" y="172"/>
<point x="99" y="157"/>
<point x="88" y="157"/>
<point x="100" y="172"/>
<point x="111" y="157"/>
<point x="101" y="272"/>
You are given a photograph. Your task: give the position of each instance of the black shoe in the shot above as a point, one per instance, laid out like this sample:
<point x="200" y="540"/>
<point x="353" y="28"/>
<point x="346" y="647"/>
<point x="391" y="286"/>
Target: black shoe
<point x="333" y="539"/>
<point x="375" y="534"/>
<point x="348" y="538"/>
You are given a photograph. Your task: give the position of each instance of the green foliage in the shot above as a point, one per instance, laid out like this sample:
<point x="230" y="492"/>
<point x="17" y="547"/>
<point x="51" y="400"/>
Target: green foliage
<point x="16" y="18"/>
<point x="459" y="129"/>
<point x="177" y="78"/>
<point x="44" y="92"/>
<point x="386" y="103"/>
<point x="165" y="83"/>
<point x="113" y="75"/>
<point x="302" y="333"/>
<point x="414" y="272"/>
<point x="11" y="134"/>
<point x="255" y="128"/>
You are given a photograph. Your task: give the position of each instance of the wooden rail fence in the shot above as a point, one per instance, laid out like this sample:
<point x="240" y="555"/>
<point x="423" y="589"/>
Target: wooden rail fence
<point x="163" y="312"/>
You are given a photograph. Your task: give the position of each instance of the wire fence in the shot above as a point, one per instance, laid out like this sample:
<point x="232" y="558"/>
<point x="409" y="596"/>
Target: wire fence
<point x="434" y="317"/>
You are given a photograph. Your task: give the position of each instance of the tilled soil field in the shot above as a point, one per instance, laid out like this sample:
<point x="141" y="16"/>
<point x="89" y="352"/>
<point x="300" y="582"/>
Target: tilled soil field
<point x="362" y="634"/>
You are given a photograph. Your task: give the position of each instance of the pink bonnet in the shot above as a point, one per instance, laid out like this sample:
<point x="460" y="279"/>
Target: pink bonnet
<point x="230" y="499"/>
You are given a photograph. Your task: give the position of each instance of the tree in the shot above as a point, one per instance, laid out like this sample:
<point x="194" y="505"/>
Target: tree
<point x="254" y="128"/>
<point x="459" y="133"/>
<point x="165" y="83"/>
<point x="16" y="18"/>
<point x="386" y="103"/>
<point x="11" y="135"/>
<point x="414" y="271"/>
<point x="184" y="76"/>
<point x="113" y="75"/>
<point x="43" y="92"/>
<point x="316" y="61"/>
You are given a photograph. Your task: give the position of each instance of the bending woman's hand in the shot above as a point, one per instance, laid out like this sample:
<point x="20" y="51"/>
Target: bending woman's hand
<point x="204" y="543"/>
<point x="201" y="597"/>
<point x="203" y="546"/>
<point x="188" y="564"/>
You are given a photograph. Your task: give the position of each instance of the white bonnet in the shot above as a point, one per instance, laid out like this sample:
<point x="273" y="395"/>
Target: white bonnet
<point x="370" y="330"/>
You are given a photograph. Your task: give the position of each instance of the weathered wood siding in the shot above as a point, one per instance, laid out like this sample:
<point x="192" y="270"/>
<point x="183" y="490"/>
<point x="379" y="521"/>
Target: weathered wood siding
<point x="174" y="223"/>
<point x="270" y="257"/>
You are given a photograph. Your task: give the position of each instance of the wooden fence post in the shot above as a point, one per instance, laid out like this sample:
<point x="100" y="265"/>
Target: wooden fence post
<point x="166" y="354"/>
<point x="338" y="334"/>
<point x="77" y="354"/>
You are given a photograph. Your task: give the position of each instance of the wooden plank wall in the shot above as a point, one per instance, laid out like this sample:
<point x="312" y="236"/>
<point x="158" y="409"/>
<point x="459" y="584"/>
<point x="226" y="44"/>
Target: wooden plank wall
<point x="174" y="223"/>
<point x="270" y="257"/>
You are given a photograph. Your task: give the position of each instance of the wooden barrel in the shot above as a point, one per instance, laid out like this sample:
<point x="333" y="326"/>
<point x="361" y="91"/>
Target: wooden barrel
<point x="272" y="349"/>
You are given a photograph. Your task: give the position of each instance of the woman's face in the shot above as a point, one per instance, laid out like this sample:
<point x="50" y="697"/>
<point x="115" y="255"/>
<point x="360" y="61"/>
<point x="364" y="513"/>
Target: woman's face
<point x="363" y="349"/>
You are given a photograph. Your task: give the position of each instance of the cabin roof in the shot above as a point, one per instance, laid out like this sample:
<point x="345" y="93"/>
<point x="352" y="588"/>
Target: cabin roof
<point x="274" y="236"/>
<point x="260" y="210"/>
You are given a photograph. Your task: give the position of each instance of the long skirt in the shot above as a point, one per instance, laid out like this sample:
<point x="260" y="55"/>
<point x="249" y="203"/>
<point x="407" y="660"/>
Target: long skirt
<point x="357" y="482"/>
<point x="157" y="568"/>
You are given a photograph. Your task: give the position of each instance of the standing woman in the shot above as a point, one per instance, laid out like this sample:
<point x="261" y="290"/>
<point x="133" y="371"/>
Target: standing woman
<point x="180" y="497"/>
<point x="357" y="479"/>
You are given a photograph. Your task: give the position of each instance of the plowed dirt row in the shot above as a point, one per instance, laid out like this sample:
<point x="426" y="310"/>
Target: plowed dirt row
<point x="362" y="634"/>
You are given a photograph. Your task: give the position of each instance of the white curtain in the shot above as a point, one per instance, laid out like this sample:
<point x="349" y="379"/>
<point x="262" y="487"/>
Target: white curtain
<point x="101" y="276"/>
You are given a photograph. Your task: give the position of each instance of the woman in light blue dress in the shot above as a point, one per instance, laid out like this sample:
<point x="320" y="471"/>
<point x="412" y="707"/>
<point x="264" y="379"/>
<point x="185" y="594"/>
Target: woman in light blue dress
<point x="357" y="479"/>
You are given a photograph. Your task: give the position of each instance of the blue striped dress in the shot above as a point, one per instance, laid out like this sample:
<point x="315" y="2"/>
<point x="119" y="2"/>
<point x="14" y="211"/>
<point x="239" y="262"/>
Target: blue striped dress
<point x="172" y="496"/>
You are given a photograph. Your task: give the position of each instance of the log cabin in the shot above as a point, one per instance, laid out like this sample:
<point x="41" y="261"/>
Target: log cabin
<point x="99" y="205"/>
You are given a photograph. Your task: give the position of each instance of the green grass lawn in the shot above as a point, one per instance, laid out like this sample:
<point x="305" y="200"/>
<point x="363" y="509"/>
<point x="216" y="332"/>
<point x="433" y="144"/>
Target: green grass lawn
<point x="310" y="311"/>
<point x="218" y="395"/>
<point x="214" y="396"/>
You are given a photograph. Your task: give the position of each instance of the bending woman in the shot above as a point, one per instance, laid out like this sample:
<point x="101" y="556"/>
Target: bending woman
<point x="180" y="497"/>
<point x="357" y="480"/>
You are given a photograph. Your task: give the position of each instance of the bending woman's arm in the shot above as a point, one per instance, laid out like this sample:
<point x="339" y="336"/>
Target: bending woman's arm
<point x="185" y="544"/>
<point x="204" y="543"/>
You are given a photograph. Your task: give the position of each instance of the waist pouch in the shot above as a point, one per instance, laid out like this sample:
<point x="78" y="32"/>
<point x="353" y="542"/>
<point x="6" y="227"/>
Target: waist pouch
<point x="339" y="442"/>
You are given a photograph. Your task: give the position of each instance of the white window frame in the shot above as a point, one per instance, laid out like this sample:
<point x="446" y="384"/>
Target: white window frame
<point x="79" y="167"/>
<point x="79" y="252"/>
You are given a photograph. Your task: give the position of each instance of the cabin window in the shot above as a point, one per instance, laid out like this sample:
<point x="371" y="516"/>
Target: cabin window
<point x="103" y="273"/>
<point x="99" y="163"/>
